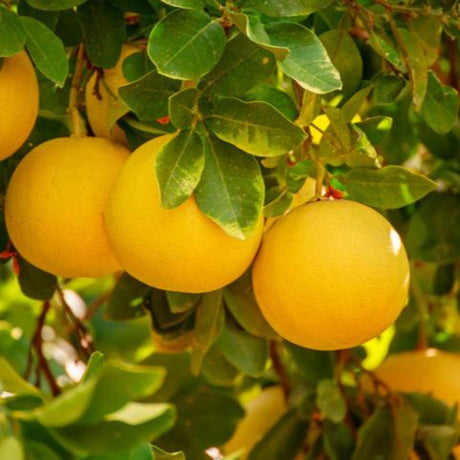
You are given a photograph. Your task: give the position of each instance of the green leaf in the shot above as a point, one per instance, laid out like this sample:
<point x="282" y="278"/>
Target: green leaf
<point x="312" y="365"/>
<point x="277" y="201"/>
<point x="55" y="5"/>
<point x="376" y="129"/>
<point x="182" y="107"/>
<point x="132" y="425"/>
<point x="178" y="167"/>
<point x="255" y="127"/>
<point x="209" y="321"/>
<point x="440" y="106"/>
<point x="46" y="50"/>
<point x="389" y="433"/>
<point x="142" y="452"/>
<point x="12" y="382"/>
<point x="48" y="18"/>
<point x="186" y="4"/>
<point x="283" y="440"/>
<point x="35" y="283"/>
<point x="434" y="233"/>
<point x="190" y="54"/>
<point x="231" y="188"/>
<point x="38" y="451"/>
<point x="148" y="97"/>
<point x="245" y="351"/>
<point x="338" y="441"/>
<point x="126" y="299"/>
<point x="243" y="66"/>
<point x="240" y="300"/>
<point x="339" y="126"/>
<point x="217" y="370"/>
<point x="136" y="65"/>
<point x="104" y="32"/>
<point x="444" y="279"/>
<point x="387" y="89"/>
<point x="388" y="188"/>
<point x="330" y="401"/>
<point x="162" y="455"/>
<point x="286" y="8"/>
<point x="345" y="56"/>
<point x="307" y="62"/>
<point x="68" y="28"/>
<point x="12" y="34"/>
<point x="275" y="97"/>
<point x="180" y="302"/>
<point x="250" y="24"/>
<point x="11" y="448"/>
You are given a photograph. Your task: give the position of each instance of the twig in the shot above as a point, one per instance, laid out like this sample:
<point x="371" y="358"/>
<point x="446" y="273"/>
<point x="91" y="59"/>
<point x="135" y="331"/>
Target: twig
<point x="75" y="117"/>
<point x="92" y="308"/>
<point x="42" y="365"/>
<point x="279" y="369"/>
<point x="85" y="340"/>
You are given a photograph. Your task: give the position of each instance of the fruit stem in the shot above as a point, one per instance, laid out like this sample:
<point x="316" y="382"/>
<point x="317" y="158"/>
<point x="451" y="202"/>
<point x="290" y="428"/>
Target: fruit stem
<point x="77" y="124"/>
<point x="279" y="369"/>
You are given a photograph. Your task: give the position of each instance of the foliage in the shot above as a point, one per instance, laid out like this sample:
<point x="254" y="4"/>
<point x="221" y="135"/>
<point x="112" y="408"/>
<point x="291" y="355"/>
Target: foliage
<point x="101" y="369"/>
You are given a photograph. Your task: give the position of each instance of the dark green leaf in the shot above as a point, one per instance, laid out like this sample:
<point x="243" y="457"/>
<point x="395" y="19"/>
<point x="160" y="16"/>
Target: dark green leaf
<point x="388" y="434"/>
<point x="123" y="430"/>
<point x="104" y="32"/>
<point x="68" y="28"/>
<point x="250" y="24"/>
<point x="376" y="129"/>
<point x="48" y="18"/>
<point x="431" y="411"/>
<point x="125" y="301"/>
<point x="231" y="188"/>
<point x="143" y="452"/>
<point x="182" y="107"/>
<point x="434" y="233"/>
<point x="330" y="401"/>
<point x="180" y="302"/>
<point x="307" y="62"/>
<point x="35" y="283"/>
<point x="387" y="89"/>
<point x="178" y="167"/>
<point x="190" y="54"/>
<point x="278" y="201"/>
<point x="243" y="65"/>
<point x="210" y="319"/>
<point x="239" y="299"/>
<point x="148" y="97"/>
<point x="12" y="34"/>
<point x="440" y="106"/>
<point x="46" y="50"/>
<point x="338" y="441"/>
<point x="54" y="5"/>
<point x="346" y="58"/>
<point x="186" y="4"/>
<point x="136" y="65"/>
<point x="389" y="188"/>
<point x="286" y="8"/>
<point x="275" y="97"/>
<point x="444" y="279"/>
<point x="38" y="451"/>
<point x="245" y="351"/>
<point x="217" y="370"/>
<point x="255" y="127"/>
<point x="283" y="440"/>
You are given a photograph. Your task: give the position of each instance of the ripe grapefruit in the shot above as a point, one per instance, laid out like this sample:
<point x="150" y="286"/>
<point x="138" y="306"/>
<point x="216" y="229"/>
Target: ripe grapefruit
<point x="54" y="205"/>
<point x="176" y="249"/>
<point x="331" y="275"/>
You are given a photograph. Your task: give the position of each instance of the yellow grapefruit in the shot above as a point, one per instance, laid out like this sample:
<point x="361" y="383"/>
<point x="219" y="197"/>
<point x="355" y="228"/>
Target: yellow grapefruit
<point x="176" y="249"/>
<point x="18" y="102"/>
<point x="102" y="100"/>
<point x="54" y="205"/>
<point x="331" y="275"/>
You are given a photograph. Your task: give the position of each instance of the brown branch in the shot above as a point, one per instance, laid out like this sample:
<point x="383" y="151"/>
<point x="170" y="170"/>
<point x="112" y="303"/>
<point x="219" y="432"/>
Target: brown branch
<point x="98" y="302"/>
<point x="42" y="364"/>
<point x="74" y="96"/>
<point x="452" y="54"/>
<point x="279" y="369"/>
<point x="85" y="339"/>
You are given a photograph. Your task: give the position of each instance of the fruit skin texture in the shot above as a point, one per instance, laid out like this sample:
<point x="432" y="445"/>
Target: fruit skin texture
<point x="99" y="110"/>
<point x="176" y="249"/>
<point x="331" y="275"/>
<point x="54" y="205"/>
<point x="18" y="102"/>
<point x="429" y="371"/>
<point x="262" y="413"/>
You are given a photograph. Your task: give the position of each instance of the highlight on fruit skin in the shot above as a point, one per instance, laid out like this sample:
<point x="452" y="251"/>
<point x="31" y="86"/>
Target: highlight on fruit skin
<point x="19" y="101"/>
<point x="425" y="371"/>
<point x="101" y="98"/>
<point x="176" y="249"/>
<point x="54" y="205"/>
<point x="331" y="275"/>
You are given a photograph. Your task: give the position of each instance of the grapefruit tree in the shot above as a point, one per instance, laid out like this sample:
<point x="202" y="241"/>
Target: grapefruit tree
<point x="217" y="218"/>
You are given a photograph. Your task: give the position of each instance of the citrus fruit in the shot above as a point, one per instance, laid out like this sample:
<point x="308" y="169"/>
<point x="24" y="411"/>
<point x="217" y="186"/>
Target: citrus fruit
<point x="54" y="205"/>
<point x="18" y="102"/>
<point x="331" y="275"/>
<point x="428" y="371"/>
<point x="101" y="98"/>
<point x="262" y="413"/>
<point x="176" y="249"/>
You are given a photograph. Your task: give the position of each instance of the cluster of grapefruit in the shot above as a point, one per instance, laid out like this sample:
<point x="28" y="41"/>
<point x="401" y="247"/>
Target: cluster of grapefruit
<point x="327" y="275"/>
